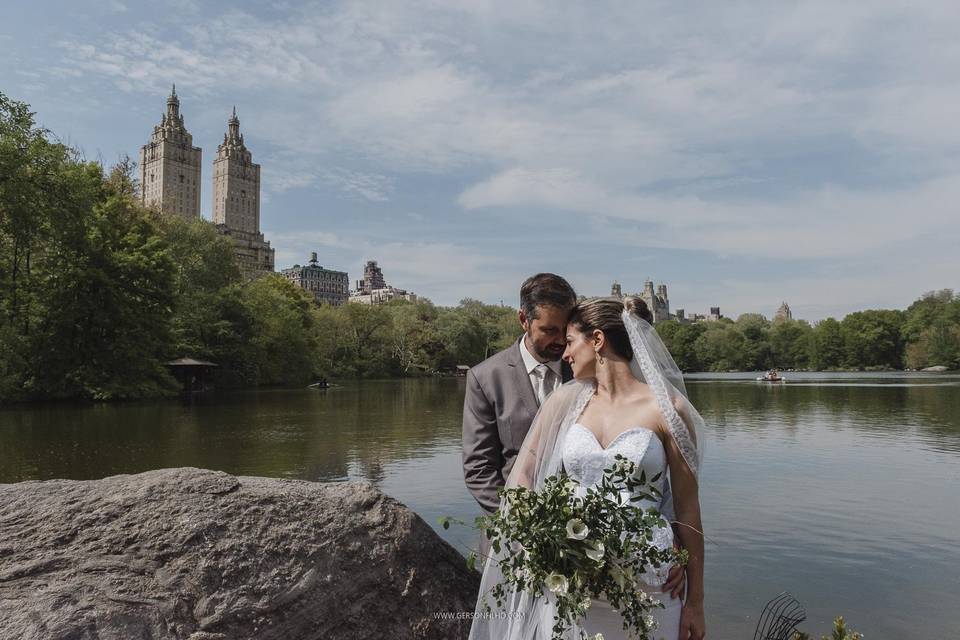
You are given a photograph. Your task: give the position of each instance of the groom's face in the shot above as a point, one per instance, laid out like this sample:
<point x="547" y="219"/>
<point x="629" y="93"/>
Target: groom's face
<point x="546" y="332"/>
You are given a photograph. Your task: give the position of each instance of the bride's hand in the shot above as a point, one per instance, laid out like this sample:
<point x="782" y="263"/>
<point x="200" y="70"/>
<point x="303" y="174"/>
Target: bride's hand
<point x="692" y="625"/>
<point x="676" y="579"/>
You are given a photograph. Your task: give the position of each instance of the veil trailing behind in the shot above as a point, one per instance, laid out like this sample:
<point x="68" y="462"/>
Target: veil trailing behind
<point x="523" y="616"/>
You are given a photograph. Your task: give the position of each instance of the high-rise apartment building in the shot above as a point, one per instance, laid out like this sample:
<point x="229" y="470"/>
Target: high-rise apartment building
<point x="236" y="201"/>
<point x="170" y="165"/>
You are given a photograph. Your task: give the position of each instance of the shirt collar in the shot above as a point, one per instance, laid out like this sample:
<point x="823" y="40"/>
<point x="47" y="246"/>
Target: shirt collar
<point x="530" y="362"/>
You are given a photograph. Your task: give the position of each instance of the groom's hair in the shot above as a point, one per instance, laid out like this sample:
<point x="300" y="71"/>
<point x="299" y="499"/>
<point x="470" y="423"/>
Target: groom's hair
<point x="545" y="289"/>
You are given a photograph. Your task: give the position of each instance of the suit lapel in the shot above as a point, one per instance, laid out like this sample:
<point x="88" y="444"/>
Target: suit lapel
<point x="521" y="379"/>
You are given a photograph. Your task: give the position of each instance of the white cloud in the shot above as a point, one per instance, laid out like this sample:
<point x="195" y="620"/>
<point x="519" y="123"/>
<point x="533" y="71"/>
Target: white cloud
<point x="281" y="175"/>
<point x="813" y="131"/>
<point x="825" y="223"/>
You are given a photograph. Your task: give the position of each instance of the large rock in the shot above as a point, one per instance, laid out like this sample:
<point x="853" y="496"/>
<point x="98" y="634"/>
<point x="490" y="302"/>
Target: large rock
<point x="202" y="555"/>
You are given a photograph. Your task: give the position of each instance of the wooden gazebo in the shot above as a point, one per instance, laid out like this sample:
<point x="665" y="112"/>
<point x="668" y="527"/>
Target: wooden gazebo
<point x="192" y="374"/>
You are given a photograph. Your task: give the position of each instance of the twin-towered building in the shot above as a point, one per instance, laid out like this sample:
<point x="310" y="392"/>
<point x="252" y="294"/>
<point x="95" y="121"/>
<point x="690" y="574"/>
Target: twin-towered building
<point x="170" y="180"/>
<point x="659" y="304"/>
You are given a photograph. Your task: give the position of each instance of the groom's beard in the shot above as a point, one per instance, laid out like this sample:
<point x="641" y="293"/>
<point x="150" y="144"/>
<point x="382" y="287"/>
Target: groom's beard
<point x="551" y="352"/>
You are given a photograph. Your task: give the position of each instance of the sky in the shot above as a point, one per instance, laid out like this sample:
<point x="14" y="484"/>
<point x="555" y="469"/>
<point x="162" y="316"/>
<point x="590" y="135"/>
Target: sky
<point x="742" y="153"/>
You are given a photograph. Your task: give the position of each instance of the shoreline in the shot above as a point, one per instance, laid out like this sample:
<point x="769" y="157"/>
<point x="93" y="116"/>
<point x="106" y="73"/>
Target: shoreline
<point x="219" y="393"/>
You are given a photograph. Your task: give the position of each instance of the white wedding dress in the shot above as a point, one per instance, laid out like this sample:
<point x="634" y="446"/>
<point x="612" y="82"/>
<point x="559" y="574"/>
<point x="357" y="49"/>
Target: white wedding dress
<point x="584" y="459"/>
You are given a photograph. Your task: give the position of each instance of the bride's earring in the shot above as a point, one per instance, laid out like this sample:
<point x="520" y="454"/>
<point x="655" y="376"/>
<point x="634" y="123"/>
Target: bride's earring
<point x="599" y="358"/>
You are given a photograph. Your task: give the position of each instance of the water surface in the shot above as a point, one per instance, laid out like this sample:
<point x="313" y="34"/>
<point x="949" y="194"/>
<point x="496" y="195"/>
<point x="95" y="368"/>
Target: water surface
<point x="843" y="489"/>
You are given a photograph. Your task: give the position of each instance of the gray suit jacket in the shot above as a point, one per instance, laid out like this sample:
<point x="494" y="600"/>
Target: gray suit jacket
<point x="497" y="412"/>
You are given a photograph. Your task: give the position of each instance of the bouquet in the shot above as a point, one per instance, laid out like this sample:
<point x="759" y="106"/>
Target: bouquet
<point x="578" y="545"/>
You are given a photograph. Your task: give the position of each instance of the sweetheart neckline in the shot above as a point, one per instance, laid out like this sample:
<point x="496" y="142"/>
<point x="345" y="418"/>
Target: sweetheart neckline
<point x="619" y="435"/>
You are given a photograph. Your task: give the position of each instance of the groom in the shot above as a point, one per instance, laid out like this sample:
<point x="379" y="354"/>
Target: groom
<point x="505" y="391"/>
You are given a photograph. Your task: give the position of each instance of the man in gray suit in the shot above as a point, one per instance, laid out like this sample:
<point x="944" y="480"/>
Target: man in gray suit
<point x="505" y="391"/>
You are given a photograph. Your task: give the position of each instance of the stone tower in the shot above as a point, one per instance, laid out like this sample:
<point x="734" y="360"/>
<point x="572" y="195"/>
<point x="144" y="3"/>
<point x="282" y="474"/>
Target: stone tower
<point x="616" y="289"/>
<point x="783" y="313"/>
<point x="372" y="278"/>
<point x="170" y="165"/>
<point x="236" y="201"/>
<point x="658" y="302"/>
<point x="236" y="182"/>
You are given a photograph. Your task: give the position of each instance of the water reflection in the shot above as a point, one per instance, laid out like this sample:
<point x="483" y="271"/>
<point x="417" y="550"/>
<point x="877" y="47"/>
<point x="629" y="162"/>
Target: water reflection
<point x="304" y="434"/>
<point x="929" y="409"/>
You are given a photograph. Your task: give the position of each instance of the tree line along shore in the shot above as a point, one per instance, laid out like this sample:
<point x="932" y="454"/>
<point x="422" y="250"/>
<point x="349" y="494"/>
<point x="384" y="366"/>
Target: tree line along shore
<point x="97" y="293"/>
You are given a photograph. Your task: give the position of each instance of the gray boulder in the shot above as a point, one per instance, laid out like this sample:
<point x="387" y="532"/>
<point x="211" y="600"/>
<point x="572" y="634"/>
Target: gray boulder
<point x="936" y="369"/>
<point x="203" y="555"/>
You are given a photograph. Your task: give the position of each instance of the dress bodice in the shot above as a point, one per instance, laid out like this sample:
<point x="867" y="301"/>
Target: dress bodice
<point x="584" y="460"/>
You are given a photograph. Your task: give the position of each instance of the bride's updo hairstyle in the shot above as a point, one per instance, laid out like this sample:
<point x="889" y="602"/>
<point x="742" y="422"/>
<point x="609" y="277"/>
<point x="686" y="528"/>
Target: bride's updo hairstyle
<point x="604" y="314"/>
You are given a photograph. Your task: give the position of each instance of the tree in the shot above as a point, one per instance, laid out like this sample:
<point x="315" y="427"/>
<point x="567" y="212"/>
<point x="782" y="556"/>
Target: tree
<point x="790" y="344"/>
<point x="938" y="345"/>
<point x="930" y="308"/>
<point x="368" y="338"/>
<point x="827" y="351"/>
<point x="110" y="295"/>
<point x="465" y="339"/>
<point x="931" y="330"/>
<point x="756" y="345"/>
<point x="210" y="321"/>
<point x="414" y="338"/>
<point x="681" y="340"/>
<point x="721" y="347"/>
<point x="872" y="339"/>
<point x="283" y="330"/>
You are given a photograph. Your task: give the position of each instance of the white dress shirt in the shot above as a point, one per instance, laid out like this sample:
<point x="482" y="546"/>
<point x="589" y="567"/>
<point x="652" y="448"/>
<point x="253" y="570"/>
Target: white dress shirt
<point x="545" y="377"/>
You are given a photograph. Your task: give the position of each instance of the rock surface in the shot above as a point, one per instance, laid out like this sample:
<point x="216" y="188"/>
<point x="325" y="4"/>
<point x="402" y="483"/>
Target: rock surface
<point x="203" y="555"/>
<point x="936" y="369"/>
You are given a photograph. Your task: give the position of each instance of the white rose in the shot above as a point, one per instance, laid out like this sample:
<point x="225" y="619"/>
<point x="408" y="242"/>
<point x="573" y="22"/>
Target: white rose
<point x="595" y="551"/>
<point x="577" y="529"/>
<point x="557" y="583"/>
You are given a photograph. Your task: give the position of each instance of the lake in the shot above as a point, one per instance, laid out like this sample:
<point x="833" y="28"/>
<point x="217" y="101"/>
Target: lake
<point x="843" y="489"/>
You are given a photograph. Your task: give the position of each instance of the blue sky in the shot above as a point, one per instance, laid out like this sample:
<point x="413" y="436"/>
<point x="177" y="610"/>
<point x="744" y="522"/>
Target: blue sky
<point x="743" y="153"/>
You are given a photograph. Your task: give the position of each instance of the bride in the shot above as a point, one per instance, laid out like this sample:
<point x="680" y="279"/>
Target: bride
<point x="627" y="398"/>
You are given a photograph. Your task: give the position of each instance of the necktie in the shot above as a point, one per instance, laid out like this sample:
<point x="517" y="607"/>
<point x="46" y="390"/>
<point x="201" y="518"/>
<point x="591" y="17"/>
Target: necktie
<point x="544" y="382"/>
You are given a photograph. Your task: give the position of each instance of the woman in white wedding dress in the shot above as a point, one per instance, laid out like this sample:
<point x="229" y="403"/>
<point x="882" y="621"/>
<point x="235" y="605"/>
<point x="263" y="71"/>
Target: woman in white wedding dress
<point x="627" y="398"/>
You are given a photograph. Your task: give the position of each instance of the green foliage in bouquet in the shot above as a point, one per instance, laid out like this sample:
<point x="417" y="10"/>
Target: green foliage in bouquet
<point x="581" y="547"/>
<point x="839" y="633"/>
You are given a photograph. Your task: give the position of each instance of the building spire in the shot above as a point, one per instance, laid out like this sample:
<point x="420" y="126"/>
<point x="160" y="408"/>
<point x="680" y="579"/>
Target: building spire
<point x="173" y="103"/>
<point x="233" y="125"/>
